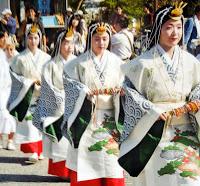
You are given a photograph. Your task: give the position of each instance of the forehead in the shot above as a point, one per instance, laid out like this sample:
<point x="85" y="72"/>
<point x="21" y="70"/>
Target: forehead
<point x="9" y="46"/>
<point x="173" y="22"/>
<point x="97" y="35"/>
<point x="33" y="35"/>
<point x="67" y="41"/>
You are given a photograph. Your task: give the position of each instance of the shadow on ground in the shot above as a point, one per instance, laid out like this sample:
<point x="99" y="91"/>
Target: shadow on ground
<point x="29" y="178"/>
<point x="16" y="160"/>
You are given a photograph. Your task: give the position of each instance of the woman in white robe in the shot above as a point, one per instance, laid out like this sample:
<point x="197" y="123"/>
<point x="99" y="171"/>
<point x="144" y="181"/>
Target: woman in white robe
<point x="160" y="141"/>
<point x="27" y="68"/>
<point x="48" y="115"/>
<point x="92" y="85"/>
<point x="7" y="122"/>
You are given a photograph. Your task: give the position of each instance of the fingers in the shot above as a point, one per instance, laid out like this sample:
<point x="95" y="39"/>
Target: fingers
<point x="164" y="116"/>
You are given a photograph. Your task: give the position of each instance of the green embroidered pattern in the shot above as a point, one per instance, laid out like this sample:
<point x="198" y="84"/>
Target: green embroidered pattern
<point x="182" y="155"/>
<point x="110" y="132"/>
<point x="28" y="117"/>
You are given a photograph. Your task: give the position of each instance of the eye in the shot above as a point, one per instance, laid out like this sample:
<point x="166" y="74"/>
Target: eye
<point x="96" y="39"/>
<point x="168" y="28"/>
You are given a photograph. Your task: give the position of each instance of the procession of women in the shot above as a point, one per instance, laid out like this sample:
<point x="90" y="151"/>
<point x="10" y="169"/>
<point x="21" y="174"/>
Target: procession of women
<point x="96" y="110"/>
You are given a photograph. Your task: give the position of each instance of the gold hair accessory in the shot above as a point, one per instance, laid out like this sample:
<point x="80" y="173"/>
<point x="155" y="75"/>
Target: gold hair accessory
<point x="34" y="29"/>
<point x="101" y="28"/>
<point x="69" y="33"/>
<point x="178" y="10"/>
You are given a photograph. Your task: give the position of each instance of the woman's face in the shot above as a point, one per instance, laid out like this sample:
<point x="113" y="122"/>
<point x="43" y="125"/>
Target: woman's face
<point x="9" y="50"/>
<point x="3" y="42"/>
<point x="75" y="22"/>
<point x="100" y="42"/>
<point x="171" y="33"/>
<point x="33" y="41"/>
<point x="66" y="48"/>
<point x="31" y="13"/>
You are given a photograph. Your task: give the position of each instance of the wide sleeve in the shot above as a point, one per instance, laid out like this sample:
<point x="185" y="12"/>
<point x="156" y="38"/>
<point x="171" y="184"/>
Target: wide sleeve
<point x="17" y="66"/>
<point x="142" y="130"/>
<point x="195" y="96"/>
<point x="5" y="85"/>
<point x="77" y="112"/>
<point x="49" y="112"/>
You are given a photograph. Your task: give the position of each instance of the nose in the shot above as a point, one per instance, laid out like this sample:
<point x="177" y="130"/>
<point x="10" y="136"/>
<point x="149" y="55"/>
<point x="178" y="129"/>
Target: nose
<point x="175" y="31"/>
<point x="101" y="42"/>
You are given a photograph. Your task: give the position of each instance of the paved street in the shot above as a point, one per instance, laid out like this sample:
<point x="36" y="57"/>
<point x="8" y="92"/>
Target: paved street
<point x="14" y="171"/>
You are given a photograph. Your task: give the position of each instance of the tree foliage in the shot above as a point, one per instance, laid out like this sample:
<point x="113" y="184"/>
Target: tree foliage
<point x="134" y="8"/>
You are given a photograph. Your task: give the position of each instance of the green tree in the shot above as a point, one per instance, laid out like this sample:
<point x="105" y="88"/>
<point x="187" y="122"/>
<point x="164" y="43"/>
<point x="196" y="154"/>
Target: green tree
<point x="76" y="4"/>
<point x="135" y="8"/>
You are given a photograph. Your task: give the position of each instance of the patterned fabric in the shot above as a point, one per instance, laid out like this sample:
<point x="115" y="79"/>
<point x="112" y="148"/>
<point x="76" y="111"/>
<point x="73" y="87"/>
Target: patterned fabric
<point x="135" y="107"/>
<point x="171" y="72"/>
<point x="195" y="95"/>
<point x="100" y="74"/>
<point x="49" y="102"/>
<point x="72" y="92"/>
<point x="17" y="84"/>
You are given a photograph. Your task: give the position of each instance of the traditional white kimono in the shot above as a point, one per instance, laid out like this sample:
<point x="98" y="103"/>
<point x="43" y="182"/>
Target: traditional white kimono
<point x="161" y="153"/>
<point x="27" y="68"/>
<point x="94" y="151"/>
<point x="7" y="122"/>
<point x="50" y="109"/>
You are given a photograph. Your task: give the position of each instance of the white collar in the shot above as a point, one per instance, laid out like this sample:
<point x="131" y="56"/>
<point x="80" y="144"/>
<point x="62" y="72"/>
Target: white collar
<point x="35" y="57"/>
<point x="172" y="62"/>
<point x="101" y="63"/>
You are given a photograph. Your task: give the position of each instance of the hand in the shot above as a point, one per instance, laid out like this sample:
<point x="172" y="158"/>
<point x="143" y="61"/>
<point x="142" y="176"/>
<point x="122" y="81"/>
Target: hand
<point x="164" y="116"/>
<point x="3" y="21"/>
<point x="37" y="82"/>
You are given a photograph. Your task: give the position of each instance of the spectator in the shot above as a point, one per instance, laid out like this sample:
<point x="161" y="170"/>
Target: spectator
<point x="122" y="41"/>
<point x="148" y="17"/>
<point x="192" y="32"/>
<point x="31" y="17"/>
<point x="115" y="16"/>
<point x="79" y="41"/>
<point x="83" y="24"/>
<point x="68" y="16"/>
<point x="9" y="23"/>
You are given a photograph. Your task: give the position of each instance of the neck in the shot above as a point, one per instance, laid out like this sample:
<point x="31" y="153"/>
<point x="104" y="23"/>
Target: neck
<point x="99" y="55"/>
<point x="168" y="50"/>
<point x="33" y="51"/>
<point x="66" y="56"/>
